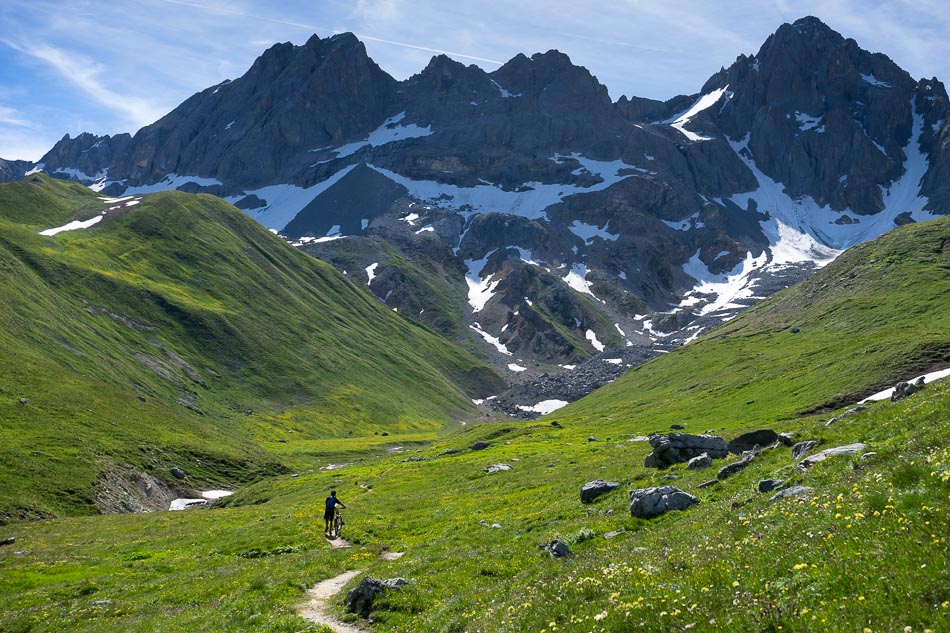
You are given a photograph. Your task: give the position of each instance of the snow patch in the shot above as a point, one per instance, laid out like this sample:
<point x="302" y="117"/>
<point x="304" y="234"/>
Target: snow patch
<point x="490" y="339"/>
<point x="807" y="122"/>
<point x="171" y="182"/>
<point x="545" y="406"/>
<point x="528" y="201"/>
<point x="371" y="273"/>
<point x="285" y="201"/>
<point x="388" y="132"/>
<point x="480" y="290"/>
<point x="516" y="368"/>
<point x="928" y="378"/>
<point x="592" y="337"/>
<point x="577" y="279"/>
<point x="704" y="102"/>
<point x="73" y="226"/>
<point x="588" y="232"/>
<point x="874" y="81"/>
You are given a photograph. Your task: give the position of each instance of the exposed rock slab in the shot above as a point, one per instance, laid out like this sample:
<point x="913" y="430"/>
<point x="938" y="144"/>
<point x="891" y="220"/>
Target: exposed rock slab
<point x="647" y="503"/>
<point x="676" y="448"/>
<point x="849" y="449"/>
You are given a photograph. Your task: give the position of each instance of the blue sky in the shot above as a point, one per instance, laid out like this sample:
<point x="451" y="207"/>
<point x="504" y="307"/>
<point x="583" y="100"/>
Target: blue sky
<point x="112" y="66"/>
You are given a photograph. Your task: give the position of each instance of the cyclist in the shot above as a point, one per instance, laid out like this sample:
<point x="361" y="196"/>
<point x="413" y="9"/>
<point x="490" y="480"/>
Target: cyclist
<point x="328" y="515"/>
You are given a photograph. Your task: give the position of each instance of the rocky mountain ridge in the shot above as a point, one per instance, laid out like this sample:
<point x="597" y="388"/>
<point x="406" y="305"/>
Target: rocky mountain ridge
<point x="523" y="212"/>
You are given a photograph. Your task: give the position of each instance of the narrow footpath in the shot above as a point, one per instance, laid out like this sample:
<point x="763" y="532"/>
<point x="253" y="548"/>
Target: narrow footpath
<point x="316" y="609"/>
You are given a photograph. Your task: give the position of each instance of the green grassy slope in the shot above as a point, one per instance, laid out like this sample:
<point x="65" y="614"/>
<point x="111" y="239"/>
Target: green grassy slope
<point x="182" y="330"/>
<point x="868" y="551"/>
<point x="880" y="311"/>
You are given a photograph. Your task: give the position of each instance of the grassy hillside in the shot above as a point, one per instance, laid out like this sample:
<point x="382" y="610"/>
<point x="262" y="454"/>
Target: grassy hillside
<point x="867" y="550"/>
<point x="177" y="331"/>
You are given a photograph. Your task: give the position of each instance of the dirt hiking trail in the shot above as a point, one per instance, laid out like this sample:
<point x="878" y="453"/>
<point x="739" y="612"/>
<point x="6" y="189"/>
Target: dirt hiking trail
<point x="317" y="606"/>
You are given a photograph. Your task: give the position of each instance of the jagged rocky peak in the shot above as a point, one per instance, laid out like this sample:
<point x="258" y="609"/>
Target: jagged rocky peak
<point x="553" y="80"/>
<point x="86" y="157"/>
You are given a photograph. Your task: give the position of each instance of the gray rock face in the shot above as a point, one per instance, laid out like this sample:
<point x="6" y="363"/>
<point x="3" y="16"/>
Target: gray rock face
<point x="731" y="469"/>
<point x="849" y="449"/>
<point x="811" y="110"/>
<point x="360" y="599"/>
<point x="676" y="448"/>
<point x="647" y="503"/>
<point x="699" y="462"/>
<point x="802" y="448"/>
<point x="593" y="489"/>
<point x="749" y="441"/>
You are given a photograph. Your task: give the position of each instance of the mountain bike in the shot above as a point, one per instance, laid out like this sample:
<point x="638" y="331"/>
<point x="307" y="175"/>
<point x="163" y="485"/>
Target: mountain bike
<point x="337" y="524"/>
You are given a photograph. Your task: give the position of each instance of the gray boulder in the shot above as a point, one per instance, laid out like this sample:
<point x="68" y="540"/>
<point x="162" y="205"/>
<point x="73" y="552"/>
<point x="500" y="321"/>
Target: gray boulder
<point x="749" y="441"/>
<point x="480" y="445"/>
<point x="802" y="447"/>
<point x="497" y="468"/>
<point x="360" y="599"/>
<point x="793" y="491"/>
<point x="647" y="503"/>
<point x="848" y="449"/>
<point x="731" y="469"/>
<point x="676" y="448"/>
<point x="851" y="411"/>
<point x="593" y="489"/>
<point x="178" y="473"/>
<point x="709" y="484"/>
<point x="903" y="390"/>
<point x="699" y="462"/>
<point x="557" y="548"/>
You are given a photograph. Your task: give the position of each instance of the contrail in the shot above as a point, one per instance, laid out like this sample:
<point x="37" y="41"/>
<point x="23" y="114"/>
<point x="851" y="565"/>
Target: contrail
<point x="312" y="27"/>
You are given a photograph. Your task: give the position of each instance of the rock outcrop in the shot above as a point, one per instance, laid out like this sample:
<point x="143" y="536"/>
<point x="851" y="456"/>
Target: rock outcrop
<point x="676" y="448"/>
<point x="593" y="489"/>
<point x="647" y="503"/>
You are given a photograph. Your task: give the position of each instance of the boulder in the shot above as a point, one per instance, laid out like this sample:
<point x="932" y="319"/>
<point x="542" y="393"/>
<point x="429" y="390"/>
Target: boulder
<point x="904" y="389"/>
<point x="557" y="548"/>
<point x="731" y="469"/>
<point x="593" y="489"/>
<point x="699" y="462"/>
<point x="848" y="449"/>
<point x="495" y="468"/>
<point x="647" y="503"/>
<point x="786" y="439"/>
<point x="793" y="491"/>
<point x="360" y="599"/>
<point x="178" y="473"/>
<point x="799" y="450"/>
<point x="748" y="441"/>
<point x="851" y="411"/>
<point x="709" y="484"/>
<point x="480" y="445"/>
<point x="676" y="448"/>
<point x="10" y="540"/>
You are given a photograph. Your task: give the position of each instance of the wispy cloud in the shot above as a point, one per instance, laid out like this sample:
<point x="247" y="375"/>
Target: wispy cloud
<point x="10" y="116"/>
<point x="85" y="74"/>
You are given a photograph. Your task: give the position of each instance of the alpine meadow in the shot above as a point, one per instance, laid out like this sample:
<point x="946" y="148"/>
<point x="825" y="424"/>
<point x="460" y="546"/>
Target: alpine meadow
<point x="569" y="363"/>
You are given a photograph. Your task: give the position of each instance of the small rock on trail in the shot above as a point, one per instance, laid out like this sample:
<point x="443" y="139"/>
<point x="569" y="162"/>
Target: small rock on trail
<point x="318" y="597"/>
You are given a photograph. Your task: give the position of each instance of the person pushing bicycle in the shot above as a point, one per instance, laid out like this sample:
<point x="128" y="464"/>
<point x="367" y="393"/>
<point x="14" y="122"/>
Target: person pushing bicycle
<point x="332" y="503"/>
